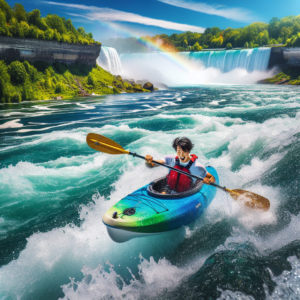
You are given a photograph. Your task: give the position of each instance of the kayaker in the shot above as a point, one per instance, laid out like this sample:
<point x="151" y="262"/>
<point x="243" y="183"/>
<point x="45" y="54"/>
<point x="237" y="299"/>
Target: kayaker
<point x="184" y="161"/>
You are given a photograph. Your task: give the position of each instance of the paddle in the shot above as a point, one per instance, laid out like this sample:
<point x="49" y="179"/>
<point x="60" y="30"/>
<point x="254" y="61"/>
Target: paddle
<point x="103" y="144"/>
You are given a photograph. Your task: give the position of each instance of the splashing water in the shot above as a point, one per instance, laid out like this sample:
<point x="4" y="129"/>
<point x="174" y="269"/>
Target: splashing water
<point x="55" y="189"/>
<point x="110" y="60"/>
<point x="232" y="66"/>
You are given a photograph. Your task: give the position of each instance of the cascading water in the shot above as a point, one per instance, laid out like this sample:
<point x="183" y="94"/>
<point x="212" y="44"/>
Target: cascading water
<point x="110" y="60"/>
<point x="199" y="67"/>
<point x="249" y="59"/>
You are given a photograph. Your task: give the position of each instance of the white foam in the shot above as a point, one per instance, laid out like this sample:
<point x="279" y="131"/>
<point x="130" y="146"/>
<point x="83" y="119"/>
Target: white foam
<point x="85" y="106"/>
<point x="12" y="124"/>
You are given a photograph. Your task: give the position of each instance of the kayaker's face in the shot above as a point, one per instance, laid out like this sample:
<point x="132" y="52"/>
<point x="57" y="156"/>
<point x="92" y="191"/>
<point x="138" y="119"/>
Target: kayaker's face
<point x="184" y="156"/>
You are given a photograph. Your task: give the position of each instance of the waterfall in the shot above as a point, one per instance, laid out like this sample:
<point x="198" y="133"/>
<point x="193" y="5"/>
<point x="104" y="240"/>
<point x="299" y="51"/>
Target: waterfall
<point x="110" y="60"/>
<point x="249" y="59"/>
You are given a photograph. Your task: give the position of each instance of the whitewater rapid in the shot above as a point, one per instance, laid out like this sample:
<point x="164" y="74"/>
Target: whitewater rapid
<point x="55" y="190"/>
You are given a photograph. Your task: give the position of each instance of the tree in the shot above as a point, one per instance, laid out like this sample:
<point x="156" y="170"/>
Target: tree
<point x="274" y="27"/>
<point x="27" y="92"/>
<point x="34" y="17"/>
<point x="60" y="88"/>
<point x="197" y="47"/>
<point x="49" y="34"/>
<point x="285" y="33"/>
<point x="265" y="39"/>
<point x="24" y="27"/>
<point x="55" y="22"/>
<point x="3" y="27"/>
<point x="56" y="36"/>
<point x="296" y="28"/>
<point x="1" y="88"/>
<point x="215" y="31"/>
<point x="20" y="12"/>
<point x="15" y="29"/>
<point x="17" y="72"/>
<point x="69" y="25"/>
<point x="184" y="43"/>
<point x="228" y="46"/>
<point x="217" y="42"/>
<point x="81" y="31"/>
<point x="43" y="24"/>
<point x="6" y="9"/>
<point x="91" y="80"/>
<point x="246" y="45"/>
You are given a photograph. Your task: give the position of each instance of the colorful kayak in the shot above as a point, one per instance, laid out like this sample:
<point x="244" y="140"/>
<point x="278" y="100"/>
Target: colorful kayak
<point x="148" y="212"/>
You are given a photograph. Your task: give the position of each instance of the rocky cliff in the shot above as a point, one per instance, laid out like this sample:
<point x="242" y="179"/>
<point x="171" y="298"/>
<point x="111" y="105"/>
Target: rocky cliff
<point x="284" y="57"/>
<point x="12" y="48"/>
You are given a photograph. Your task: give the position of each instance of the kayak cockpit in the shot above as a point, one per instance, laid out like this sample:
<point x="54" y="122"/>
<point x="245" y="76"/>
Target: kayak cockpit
<point x="156" y="187"/>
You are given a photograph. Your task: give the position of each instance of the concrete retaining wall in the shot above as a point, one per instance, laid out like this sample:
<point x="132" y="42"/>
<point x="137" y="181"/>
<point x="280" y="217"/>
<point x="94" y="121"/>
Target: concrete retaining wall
<point x="13" y="48"/>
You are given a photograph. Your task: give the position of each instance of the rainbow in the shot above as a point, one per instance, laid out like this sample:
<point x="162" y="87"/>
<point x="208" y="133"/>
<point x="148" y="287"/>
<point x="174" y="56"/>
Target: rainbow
<point x="173" y="56"/>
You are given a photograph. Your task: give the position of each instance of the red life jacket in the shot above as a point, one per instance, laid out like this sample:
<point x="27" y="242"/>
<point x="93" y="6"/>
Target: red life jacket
<point x="180" y="182"/>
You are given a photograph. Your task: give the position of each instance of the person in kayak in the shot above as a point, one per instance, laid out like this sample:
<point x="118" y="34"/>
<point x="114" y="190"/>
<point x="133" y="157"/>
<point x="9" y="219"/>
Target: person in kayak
<point x="184" y="161"/>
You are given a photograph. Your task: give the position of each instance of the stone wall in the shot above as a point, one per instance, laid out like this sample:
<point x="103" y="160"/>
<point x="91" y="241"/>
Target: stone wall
<point x="12" y="48"/>
<point x="282" y="56"/>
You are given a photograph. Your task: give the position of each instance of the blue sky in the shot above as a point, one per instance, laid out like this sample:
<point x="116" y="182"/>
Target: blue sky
<point x="119" y="18"/>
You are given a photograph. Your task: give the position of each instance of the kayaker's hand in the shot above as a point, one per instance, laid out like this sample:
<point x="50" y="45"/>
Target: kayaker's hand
<point x="206" y="180"/>
<point x="149" y="163"/>
<point x="148" y="158"/>
<point x="209" y="179"/>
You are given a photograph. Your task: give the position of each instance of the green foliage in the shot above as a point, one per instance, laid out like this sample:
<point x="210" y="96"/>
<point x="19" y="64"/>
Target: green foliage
<point x="1" y="88"/>
<point x="24" y="81"/>
<point x="180" y="49"/>
<point x="290" y="75"/>
<point x="228" y="46"/>
<point x="91" y="80"/>
<point x="16" y="97"/>
<point x="17" y="72"/>
<point x="34" y="17"/>
<point x="55" y="22"/>
<point x="17" y="22"/>
<point x="246" y="45"/>
<point x="6" y="10"/>
<point x="19" y="12"/>
<point x="197" y="47"/>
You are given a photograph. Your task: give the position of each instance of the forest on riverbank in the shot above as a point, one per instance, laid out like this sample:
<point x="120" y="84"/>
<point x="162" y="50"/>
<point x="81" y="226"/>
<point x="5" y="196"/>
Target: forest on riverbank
<point x="16" y="22"/>
<point x="21" y="81"/>
<point x="285" y="31"/>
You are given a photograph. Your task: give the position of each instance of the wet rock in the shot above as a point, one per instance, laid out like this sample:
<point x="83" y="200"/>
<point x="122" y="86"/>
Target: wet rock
<point x="148" y="86"/>
<point x="282" y="81"/>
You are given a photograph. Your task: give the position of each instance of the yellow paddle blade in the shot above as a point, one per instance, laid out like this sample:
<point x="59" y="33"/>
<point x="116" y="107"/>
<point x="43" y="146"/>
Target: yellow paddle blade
<point x="103" y="144"/>
<point x="250" y="199"/>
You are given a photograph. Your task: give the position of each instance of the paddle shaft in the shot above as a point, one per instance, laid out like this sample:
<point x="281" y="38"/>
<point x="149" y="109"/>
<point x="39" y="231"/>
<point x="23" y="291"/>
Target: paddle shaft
<point x="178" y="171"/>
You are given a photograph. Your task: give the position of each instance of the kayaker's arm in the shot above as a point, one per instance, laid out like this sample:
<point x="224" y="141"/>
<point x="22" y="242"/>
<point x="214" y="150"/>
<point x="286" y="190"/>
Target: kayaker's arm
<point x="209" y="179"/>
<point x="149" y="163"/>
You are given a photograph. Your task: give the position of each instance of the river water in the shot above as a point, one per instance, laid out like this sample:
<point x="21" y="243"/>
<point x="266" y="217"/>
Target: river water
<point x="54" y="190"/>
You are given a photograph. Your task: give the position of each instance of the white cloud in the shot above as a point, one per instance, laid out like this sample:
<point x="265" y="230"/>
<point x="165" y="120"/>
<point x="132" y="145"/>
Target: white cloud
<point x="236" y="14"/>
<point x="111" y="15"/>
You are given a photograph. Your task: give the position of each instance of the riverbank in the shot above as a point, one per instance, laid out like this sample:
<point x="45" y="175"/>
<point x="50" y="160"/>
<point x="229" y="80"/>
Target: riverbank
<point x="290" y="75"/>
<point x="22" y="81"/>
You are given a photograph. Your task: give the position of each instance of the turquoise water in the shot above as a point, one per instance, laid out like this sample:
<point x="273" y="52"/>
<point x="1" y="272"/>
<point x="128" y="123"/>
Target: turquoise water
<point x="226" y="61"/>
<point x="54" y="190"/>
